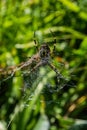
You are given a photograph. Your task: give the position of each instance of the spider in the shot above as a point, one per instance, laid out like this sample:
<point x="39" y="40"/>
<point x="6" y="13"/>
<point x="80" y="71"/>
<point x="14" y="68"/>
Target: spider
<point x="41" y="58"/>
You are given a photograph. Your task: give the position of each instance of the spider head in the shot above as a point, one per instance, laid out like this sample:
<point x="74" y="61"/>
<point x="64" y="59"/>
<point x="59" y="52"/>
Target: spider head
<point x="44" y="51"/>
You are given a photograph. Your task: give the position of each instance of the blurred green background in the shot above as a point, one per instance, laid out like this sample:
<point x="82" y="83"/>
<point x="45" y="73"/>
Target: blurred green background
<point x="39" y="108"/>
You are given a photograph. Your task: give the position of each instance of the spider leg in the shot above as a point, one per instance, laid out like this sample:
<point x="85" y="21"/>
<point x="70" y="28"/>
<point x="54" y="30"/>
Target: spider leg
<point x="61" y="80"/>
<point x="54" y="45"/>
<point x="36" y="66"/>
<point x="54" y="42"/>
<point x="59" y="76"/>
<point x="10" y="76"/>
<point x="35" y="42"/>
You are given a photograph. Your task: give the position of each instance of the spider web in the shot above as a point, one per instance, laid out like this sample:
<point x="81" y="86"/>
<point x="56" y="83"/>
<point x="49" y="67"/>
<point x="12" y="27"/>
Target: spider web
<point x="53" y="84"/>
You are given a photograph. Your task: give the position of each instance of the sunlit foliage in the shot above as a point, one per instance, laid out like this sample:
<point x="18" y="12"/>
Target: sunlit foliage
<point x="38" y="106"/>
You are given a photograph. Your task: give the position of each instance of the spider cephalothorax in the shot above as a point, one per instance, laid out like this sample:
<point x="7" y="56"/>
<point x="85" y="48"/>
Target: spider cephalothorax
<point x="44" y="52"/>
